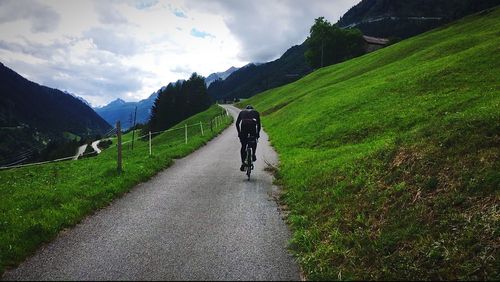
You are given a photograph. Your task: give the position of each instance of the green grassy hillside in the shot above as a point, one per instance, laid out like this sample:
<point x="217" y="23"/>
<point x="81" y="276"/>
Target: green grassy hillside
<point x="390" y="161"/>
<point x="37" y="202"/>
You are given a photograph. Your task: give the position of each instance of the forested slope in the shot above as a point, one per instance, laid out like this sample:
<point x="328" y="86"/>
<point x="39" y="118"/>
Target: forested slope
<point x="31" y="115"/>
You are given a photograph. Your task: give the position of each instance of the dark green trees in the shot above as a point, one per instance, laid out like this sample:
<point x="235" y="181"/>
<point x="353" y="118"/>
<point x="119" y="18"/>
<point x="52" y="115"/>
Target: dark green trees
<point x="328" y="44"/>
<point x="178" y="101"/>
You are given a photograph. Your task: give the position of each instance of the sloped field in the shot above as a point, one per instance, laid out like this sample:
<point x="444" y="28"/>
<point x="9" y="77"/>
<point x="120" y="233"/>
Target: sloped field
<point x="390" y="161"/>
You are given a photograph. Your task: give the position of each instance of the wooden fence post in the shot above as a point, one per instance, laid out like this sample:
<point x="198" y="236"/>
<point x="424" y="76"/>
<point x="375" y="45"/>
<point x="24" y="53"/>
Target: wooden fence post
<point x="119" y="146"/>
<point x="201" y="126"/>
<point x="186" y="132"/>
<point x="150" y="143"/>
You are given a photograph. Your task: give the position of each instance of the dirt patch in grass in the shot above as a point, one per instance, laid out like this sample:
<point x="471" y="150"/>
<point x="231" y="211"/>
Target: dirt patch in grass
<point x="275" y="108"/>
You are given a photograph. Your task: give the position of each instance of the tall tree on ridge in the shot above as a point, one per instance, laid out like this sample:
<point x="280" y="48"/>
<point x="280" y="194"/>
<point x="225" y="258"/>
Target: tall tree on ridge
<point x="328" y="44"/>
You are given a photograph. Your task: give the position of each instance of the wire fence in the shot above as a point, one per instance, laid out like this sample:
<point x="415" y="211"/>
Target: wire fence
<point x="214" y="123"/>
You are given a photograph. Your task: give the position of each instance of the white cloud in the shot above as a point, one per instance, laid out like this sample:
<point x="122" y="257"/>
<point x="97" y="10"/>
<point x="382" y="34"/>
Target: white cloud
<point x="266" y="29"/>
<point x="113" y="40"/>
<point x="183" y="70"/>
<point x="108" y="14"/>
<point x="41" y="17"/>
<point x="38" y="50"/>
<point x="97" y="76"/>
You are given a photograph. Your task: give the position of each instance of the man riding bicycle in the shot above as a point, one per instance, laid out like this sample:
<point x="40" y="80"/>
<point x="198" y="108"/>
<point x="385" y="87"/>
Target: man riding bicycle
<point x="248" y="131"/>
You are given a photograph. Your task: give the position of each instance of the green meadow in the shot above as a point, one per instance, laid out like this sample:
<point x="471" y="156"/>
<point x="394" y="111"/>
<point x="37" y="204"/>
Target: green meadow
<point x="389" y="162"/>
<point x="37" y="202"/>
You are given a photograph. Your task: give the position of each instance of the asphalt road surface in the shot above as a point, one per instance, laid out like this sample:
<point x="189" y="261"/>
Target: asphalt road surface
<point x="80" y="151"/>
<point x="94" y="146"/>
<point x="198" y="220"/>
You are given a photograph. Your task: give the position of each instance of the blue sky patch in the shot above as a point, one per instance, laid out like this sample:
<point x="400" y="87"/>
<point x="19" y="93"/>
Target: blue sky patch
<point x="144" y="4"/>
<point x="179" y="13"/>
<point x="200" y="34"/>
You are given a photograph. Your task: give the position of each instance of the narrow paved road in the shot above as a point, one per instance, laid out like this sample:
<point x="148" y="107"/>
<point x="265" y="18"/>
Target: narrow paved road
<point x="94" y="146"/>
<point x="198" y="220"/>
<point x="80" y="151"/>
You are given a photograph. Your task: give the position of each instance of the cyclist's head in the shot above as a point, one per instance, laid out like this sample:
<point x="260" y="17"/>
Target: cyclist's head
<point x="249" y="107"/>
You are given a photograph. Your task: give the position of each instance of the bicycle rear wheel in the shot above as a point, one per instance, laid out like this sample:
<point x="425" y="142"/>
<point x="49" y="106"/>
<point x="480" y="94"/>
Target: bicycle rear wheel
<point x="249" y="162"/>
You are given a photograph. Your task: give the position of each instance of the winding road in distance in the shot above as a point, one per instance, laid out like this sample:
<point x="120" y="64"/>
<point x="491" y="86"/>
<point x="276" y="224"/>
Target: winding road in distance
<point x="80" y="151"/>
<point x="200" y="219"/>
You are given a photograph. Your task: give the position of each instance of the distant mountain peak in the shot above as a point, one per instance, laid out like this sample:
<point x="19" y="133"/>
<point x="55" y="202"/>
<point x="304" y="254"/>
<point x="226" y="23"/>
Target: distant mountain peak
<point x="220" y="75"/>
<point x="121" y="110"/>
<point x="117" y="101"/>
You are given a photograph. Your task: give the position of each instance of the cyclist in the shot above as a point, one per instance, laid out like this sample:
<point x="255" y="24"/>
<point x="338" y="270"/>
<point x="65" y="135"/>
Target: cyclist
<point x="249" y="129"/>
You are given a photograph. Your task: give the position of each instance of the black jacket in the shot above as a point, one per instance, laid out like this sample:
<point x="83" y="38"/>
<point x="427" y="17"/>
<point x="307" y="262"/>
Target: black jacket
<point x="247" y="120"/>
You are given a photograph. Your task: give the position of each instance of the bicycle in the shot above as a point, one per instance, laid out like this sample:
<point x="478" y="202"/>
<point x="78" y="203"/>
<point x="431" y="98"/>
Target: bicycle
<point x="249" y="154"/>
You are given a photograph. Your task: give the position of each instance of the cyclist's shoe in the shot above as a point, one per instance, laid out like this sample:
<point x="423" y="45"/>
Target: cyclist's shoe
<point x="242" y="168"/>
<point x="254" y="158"/>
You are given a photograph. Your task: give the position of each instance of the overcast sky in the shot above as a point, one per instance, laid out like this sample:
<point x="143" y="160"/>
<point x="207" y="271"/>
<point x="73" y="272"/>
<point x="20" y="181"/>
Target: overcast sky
<point x="107" y="49"/>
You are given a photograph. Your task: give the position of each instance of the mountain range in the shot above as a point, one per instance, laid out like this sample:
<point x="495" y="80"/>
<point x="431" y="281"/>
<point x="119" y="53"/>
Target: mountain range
<point x="32" y="115"/>
<point x="124" y="111"/>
